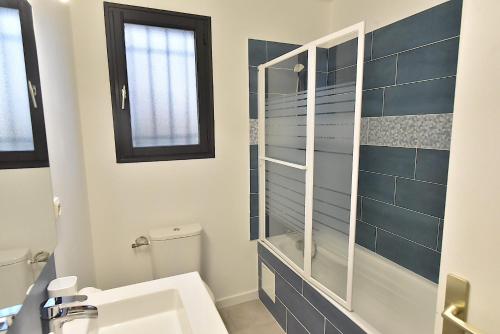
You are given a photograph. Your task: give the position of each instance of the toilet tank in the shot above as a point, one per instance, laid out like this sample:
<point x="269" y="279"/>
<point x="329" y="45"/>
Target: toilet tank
<point x="15" y="273"/>
<point x="175" y="250"/>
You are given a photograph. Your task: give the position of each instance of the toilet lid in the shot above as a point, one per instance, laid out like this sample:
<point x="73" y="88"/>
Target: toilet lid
<point x="14" y="255"/>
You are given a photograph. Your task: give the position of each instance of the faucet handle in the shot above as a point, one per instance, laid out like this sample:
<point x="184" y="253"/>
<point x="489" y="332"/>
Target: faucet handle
<point x="63" y="300"/>
<point x="53" y="307"/>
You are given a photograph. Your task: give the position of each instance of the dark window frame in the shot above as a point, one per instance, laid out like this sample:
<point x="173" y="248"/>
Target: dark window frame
<point x="39" y="157"/>
<point x="115" y="16"/>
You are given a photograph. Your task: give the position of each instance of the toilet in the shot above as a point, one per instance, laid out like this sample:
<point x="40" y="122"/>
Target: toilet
<point x="16" y="273"/>
<point x="176" y="250"/>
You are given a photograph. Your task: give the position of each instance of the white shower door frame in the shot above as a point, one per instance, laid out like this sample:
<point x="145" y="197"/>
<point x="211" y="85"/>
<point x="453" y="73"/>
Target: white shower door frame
<point x="354" y="30"/>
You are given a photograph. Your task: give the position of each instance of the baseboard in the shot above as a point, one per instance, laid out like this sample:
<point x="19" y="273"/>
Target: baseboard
<point x="237" y="299"/>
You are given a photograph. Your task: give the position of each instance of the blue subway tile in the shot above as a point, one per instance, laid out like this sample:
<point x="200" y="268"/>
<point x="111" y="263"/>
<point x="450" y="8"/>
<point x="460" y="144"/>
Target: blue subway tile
<point x="432" y="25"/>
<point x="376" y="186"/>
<point x="342" y="76"/>
<point x="428" y="198"/>
<point x="365" y="235"/>
<point x="293" y="326"/>
<point x="330" y="329"/>
<point x="259" y="272"/>
<point x="288" y="274"/>
<point x="428" y="62"/>
<point x="257" y="53"/>
<point x="415" y="226"/>
<point x="321" y="79"/>
<point x="253" y="79"/>
<point x="368" y="46"/>
<point x="281" y="81"/>
<point x="330" y="79"/>
<point x="275" y="49"/>
<point x="253" y="102"/>
<point x="312" y="320"/>
<point x="373" y="102"/>
<point x="412" y="256"/>
<point x="440" y="236"/>
<point x="380" y="73"/>
<point x="358" y="208"/>
<point x="346" y="54"/>
<point x="387" y="160"/>
<point x="333" y="314"/>
<point x="343" y="55"/>
<point x="322" y="60"/>
<point x="254" y="205"/>
<point x="254" y="181"/>
<point x="277" y="309"/>
<point x="432" y="166"/>
<point x="254" y="156"/>
<point x="427" y="97"/>
<point x="302" y="81"/>
<point x="254" y="228"/>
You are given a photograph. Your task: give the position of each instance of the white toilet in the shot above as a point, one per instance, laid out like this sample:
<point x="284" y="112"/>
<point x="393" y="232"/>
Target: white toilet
<point x="176" y="250"/>
<point x="15" y="273"/>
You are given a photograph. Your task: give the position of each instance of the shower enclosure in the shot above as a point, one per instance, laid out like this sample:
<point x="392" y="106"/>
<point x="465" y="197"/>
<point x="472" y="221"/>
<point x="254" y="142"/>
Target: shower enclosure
<point x="309" y="138"/>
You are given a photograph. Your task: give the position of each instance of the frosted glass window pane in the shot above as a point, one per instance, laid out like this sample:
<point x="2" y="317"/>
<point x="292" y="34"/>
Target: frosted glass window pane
<point x="15" y="119"/>
<point x="161" y="67"/>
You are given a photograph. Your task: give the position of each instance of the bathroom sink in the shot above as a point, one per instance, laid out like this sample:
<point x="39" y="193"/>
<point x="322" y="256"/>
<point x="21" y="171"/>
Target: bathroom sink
<point x="173" y="305"/>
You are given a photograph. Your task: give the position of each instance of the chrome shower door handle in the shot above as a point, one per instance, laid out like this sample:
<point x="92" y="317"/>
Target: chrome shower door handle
<point x="124" y="96"/>
<point x="33" y="93"/>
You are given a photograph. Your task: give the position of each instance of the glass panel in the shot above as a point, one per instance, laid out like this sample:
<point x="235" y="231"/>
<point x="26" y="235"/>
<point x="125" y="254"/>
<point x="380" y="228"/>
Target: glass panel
<point x="333" y="151"/>
<point x="285" y="203"/>
<point x="161" y="67"/>
<point x="15" y="119"/>
<point x="286" y="102"/>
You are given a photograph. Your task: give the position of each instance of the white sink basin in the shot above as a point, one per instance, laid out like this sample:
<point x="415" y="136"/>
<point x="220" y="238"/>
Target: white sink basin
<point x="173" y="305"/>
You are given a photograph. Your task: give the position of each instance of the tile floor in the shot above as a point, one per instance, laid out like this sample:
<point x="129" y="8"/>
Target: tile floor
<point x="250" y="317"/>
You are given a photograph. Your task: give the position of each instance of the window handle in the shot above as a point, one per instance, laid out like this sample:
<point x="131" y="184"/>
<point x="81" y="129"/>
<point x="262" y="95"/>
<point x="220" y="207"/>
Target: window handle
<point x="124" y="96"/>
<point x="32" y="89"/>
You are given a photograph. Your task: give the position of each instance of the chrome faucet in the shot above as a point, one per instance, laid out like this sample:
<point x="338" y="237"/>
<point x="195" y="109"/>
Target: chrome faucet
<point x="60" y="310"/>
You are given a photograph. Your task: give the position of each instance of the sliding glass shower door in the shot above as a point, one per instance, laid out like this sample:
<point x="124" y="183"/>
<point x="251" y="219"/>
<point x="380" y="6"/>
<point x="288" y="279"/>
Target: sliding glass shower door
<point x="309" y="136"/>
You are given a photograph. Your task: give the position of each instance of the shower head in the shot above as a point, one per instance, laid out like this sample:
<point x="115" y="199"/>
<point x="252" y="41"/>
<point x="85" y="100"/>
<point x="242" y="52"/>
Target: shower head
<point x="298" y="68"/>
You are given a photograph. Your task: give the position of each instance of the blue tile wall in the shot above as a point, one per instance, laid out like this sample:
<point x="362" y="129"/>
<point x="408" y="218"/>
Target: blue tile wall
<point x="433" y="25"/>
<point x="410" y="69"/>
<point x="299" y="308"/>
<point x="428" y="97"/>
<point x="433" y="61"/>
<point x="410" y="255"/>
<point x="402" y="190"/>
<point x="373" y="102"/>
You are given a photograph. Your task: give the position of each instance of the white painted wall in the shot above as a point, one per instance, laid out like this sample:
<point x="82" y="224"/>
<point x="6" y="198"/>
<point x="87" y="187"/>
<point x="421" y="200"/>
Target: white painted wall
<point x="26" y="213"/>
<point x="471" y="233"/>
<point x="376" y="14"/>
<point x="54" y="42"/>
<point x="126" y="200"/>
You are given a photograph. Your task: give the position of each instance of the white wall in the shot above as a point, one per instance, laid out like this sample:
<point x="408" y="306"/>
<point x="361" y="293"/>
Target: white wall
<point x="376" y="14"/>
<point x="26" y="212"/>
<point x="54" y="42"/>
<point x="128" y="199"/>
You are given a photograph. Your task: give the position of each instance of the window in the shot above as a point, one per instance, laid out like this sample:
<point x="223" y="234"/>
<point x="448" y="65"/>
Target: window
<point x="160" y="67"/>
<point x="22" y="130"/>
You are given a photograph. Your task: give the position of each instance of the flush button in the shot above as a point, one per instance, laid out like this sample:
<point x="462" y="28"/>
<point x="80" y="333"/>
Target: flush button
<point x="176" y="229"/>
